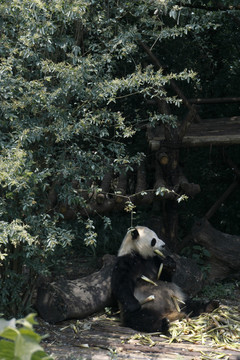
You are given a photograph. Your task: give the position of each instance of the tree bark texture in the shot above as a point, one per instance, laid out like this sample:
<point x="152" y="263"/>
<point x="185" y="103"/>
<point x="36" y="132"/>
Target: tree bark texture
<point x="224" y="250"/>
<point x="71" y="299"/>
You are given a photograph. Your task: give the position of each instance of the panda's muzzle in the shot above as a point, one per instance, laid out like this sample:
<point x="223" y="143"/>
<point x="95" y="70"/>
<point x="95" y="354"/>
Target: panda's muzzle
<point x="163" y="252"/>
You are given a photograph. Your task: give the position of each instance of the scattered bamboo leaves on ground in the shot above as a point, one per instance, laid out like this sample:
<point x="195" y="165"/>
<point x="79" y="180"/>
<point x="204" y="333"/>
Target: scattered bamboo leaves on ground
<point x="221" y="328"/>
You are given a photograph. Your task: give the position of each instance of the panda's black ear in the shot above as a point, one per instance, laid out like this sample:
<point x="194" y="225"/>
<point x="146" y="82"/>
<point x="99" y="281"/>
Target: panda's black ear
<point x="135" y="234"/>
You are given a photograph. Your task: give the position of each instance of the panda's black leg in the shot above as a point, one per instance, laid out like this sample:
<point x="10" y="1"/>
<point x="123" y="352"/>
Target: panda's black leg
<point x="145" y="320"/>
<point x="194" y="308"/>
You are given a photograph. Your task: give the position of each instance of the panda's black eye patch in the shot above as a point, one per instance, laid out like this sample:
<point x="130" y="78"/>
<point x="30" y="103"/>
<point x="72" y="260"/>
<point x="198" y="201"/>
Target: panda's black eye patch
<point x="153" y="242"/>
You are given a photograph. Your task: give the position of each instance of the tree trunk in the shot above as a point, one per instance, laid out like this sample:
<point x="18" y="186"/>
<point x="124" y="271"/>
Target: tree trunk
<point x="224" y="250"/>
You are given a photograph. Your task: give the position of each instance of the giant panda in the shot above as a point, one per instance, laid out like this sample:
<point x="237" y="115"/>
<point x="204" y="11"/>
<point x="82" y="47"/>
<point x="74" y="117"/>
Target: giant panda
<point x="142" y="284"/>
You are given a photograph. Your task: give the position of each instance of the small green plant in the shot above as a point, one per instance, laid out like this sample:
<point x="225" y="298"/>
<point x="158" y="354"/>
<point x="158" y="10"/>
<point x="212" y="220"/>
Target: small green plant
<point x="219" y="291"/>
<point x="19" y="341"/>
<point x="200" y="255"/>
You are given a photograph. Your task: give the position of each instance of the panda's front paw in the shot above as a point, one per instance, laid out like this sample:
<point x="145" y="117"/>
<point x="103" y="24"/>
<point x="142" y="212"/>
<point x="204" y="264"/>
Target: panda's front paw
<point x="169" y="264"/>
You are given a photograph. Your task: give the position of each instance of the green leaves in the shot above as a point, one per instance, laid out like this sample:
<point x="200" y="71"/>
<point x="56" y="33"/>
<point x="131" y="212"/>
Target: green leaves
<point x="17" y="232"/>
<point x="90" y="235"/>
<point x="19" y="341"/>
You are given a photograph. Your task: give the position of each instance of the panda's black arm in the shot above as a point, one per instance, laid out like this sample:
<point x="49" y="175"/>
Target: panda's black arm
<point x="123" y="283"/>
<point x="169" y="267"/>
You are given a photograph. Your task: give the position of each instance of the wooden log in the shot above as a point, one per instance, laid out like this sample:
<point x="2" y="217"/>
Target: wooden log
<point x="217" y="140"/>
<point x="162" y="157"/>
<point x="161" y="183"/>
<point x="190" y="189"/>
<point x="71" y="299"/>
<point x="223" y="248"/>
<point x="142" y="196"/>
<point x="154" y="144"/>
<point x="217" y="131"/>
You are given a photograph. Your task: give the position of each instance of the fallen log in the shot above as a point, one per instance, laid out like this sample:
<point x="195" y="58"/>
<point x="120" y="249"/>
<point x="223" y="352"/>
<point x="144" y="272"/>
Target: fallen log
<point x="76" y="299"/>
<point x="224" y="250"/>
<point x="188" y="275"/>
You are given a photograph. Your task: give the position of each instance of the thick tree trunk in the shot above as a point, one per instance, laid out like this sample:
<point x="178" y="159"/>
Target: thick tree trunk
<point x="224" y="250"/>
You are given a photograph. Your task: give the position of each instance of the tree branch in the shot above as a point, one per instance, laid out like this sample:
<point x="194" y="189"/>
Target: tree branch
<point x="173" y="84"/>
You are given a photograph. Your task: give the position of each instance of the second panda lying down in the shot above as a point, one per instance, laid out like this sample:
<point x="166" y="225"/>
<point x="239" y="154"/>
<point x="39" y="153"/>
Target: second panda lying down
<point x="142" y="284"/>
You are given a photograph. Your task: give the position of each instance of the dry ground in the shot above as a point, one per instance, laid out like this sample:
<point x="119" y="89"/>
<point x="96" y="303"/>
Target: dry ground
<point x="99" y="338"/>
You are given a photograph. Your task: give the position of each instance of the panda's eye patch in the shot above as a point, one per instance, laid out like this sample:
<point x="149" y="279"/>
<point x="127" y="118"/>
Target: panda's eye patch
<point x="153" y="242"/>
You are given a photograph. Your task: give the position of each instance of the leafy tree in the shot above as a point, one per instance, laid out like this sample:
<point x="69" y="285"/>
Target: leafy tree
<point x="74" y="82"/>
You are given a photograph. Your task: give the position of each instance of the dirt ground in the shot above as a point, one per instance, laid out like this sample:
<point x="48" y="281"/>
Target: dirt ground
<point x="100" y="338"/>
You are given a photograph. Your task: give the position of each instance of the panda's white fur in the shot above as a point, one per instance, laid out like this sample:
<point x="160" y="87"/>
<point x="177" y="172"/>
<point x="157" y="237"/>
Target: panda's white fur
<point x="142" y="245"/>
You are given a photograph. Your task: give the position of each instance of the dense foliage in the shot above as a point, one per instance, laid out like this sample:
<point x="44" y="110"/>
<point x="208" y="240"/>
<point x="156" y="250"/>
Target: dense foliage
<point x="74" y="80"/>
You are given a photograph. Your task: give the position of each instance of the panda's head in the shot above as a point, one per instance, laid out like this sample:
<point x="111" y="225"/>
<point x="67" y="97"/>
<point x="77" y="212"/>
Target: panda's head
<point x="141" y="240"/>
